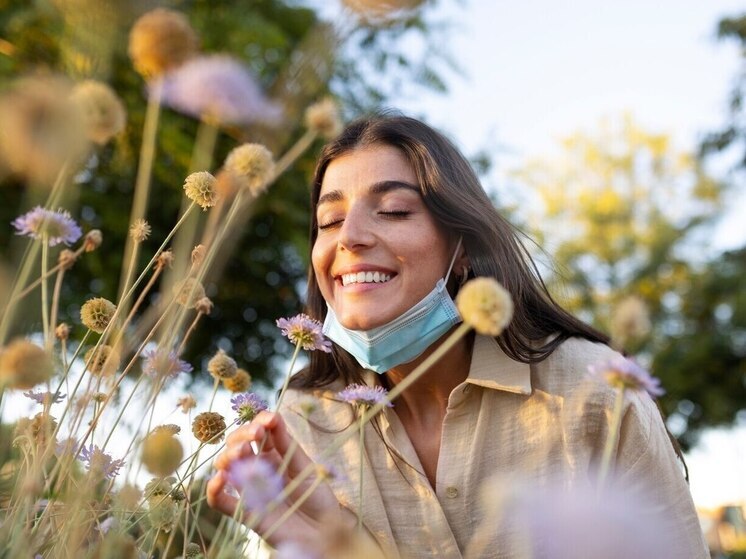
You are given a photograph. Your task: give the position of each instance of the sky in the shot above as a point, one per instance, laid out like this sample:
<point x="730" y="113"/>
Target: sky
<point x="534" y="71"/>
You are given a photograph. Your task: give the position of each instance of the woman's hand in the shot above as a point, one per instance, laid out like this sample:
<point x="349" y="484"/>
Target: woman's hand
<point x="269" y="433"/>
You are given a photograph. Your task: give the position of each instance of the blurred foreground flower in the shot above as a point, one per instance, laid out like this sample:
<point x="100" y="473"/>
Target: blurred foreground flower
<point x="323" y="118"/>
<point x="161" y="40"/>
<point x="218" y="89"/>
<point x="365" y="396"/>
<point x="247" y="406"/>
<point x="485" y="305"/>
<point x="161" y="363"/>
<point x="240" y="382"/>
<point x="102" y="110"/>
<point x="44" y="398"/>
<point x="188" y="292"/>
<point x="305" y="331"/>
<point x="42" y="129"/>
<point x="102" y="360"/>
<point x="161" y="453"/>
<point x="57" y="227"/>
<point x="380" y="11"/>
<point x="625" y="374"/>
<point x="139" y="230"/>
<point x="23" y="365"/>
<point x="256" y="481"/>
<point x="221" y="366"/>
<point x="630" y="321"/>
<point x="99" y="463"/>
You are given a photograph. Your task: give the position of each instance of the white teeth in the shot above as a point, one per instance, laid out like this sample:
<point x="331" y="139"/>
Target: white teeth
<point x="365" y="277"/>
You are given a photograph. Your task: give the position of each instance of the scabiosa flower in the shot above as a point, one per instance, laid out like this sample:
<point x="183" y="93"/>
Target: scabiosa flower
<point x="65" y="447"/>
<point x="306" y="331"/>
<point x="256" y="481"/>
<point x="161" y="40"/>
<point x="170" y="428"/>
<point x="140" y="230"/>
<point x="323" y="118"/>
<point x="66" y="258"/>
<point x="200" y="188"/>
<point x="188" y="292"/>
<point x="253" y="164"/>
<point x="247" y="405"/>
<point x="39" y="428"/>
<point x="58" y="227"/>
<point x="209" y="427"/>
<point x="163" y="512"/>
<point x="102" y="360"/>
<point x="485" y="305"/>
<point x="630" y="321"/>
<point x="362" y="395"/>
<point x="98" y="463"/>
<point x="92" y="240"/>
<point x="44" y="398"/>
<point x="240" y="382"/>
<point x="624" y="373"/>
<point x="165" y="259"/>
<point x="62" y="332"/>
<point x="162" y="363"/>
<point x="102" y="110"/>
<point x="97" y="313"/>
<point x="23" y="365"/>
<point x="161" y="453"/>
<point x="198" y="254"/>
<point x="204" y="306"/>
<point x="218" y="89"/>
<point x="294" y="550"/>
<point x="193" y="551"/>
<point x="186" y="403"/>
<point x="222" y="366"/>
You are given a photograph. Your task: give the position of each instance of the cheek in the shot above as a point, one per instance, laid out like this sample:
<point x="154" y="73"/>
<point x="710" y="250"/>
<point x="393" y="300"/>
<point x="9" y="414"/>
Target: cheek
<point x="321" y="261"/>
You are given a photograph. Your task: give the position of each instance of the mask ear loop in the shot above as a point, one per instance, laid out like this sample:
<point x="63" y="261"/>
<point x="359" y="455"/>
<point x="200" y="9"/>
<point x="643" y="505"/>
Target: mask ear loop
<point x="453" y="259"/>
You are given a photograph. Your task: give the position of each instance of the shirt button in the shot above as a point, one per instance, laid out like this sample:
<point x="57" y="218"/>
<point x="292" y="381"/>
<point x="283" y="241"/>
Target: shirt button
<point x="451" y="492"/>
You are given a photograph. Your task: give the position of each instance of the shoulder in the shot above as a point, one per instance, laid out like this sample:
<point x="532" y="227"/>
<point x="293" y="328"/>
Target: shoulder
<point x="317" y="407"/>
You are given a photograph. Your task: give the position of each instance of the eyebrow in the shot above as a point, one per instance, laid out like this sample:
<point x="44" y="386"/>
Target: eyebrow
<point x="376" y="188"/>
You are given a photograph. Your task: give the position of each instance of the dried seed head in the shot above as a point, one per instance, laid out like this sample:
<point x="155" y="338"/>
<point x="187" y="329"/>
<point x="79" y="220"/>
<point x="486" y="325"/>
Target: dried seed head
<point x="160" y="41"/>
<point x="198" y="255"/>
<point x="163" y="512"/>
<point x="170" y="428"/>
<point x="66" y="259"/>
<point x="102" y="360"/>
<point x="92" y="240"/>
<point x="23" y="365"/>
<point x="208" y="427"/>
<point x="159" y="486"/>
<point x="200" y="188"/>
<point x="485" y="305"/>
<point x="188" y="292"/>
<point x="193" y="551"/>
<point x="97" y="313"/>
<point x="240" y="382"/>
<point x="204" y="306"/>
<point x="186" y="403"/>
<point x="140" y="230"/>
<point x="323" y="118"/>
<point x="253" y="164"/>
<point x="62" y="332"/>
<point x="222" y="366"/>
<point x="630" y="321"/>
<point x="161" y="453"/>
<point x="102" y="110"/>
<point x="165" y="259"/>
<point x="39" y="429"/>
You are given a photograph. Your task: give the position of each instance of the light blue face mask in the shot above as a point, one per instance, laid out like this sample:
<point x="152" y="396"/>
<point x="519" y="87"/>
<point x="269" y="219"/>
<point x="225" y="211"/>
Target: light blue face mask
<point x="403" y="339"/>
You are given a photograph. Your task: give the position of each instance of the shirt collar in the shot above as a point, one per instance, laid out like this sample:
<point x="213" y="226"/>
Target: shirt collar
<point x="491" y="368"/>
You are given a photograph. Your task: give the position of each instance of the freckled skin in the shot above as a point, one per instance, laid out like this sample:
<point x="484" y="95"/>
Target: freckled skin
<point x="389" y="230"/>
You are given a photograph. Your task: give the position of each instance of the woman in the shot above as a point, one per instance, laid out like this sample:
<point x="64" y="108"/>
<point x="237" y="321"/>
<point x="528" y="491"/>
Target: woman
<point x="399" y="222"/>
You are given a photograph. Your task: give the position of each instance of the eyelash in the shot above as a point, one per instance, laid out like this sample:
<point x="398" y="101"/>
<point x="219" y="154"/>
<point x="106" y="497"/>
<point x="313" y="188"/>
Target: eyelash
<point x="392" y="214"/>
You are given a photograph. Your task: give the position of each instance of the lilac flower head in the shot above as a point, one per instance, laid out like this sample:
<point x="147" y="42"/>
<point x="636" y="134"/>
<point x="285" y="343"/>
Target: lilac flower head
<point x="306" y="331"/>
<point x="294" y="550"/>
<point x="218" y="88"/>
<point x="162" y="363"/>
<point x="97" y="461"/>
<point x="44" y="397"/>
<point x="58" y="227"/>
<point x="247" y="405"/>
<point x="621" y="372"/>
<point x="256" y="481"/>
<point x="362" y="395"/>
<point x="65" y="446"/>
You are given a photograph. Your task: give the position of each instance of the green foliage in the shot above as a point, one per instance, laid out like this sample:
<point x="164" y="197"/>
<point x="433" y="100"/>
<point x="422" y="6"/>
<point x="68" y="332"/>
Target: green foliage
<point x="295" y="56"/>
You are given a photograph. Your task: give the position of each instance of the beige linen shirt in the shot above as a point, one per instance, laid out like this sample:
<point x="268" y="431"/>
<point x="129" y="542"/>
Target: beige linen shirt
<point x="525" y="426"/>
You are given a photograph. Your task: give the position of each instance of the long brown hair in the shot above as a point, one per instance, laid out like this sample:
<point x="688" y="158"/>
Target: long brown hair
<point x="453" y="194"/>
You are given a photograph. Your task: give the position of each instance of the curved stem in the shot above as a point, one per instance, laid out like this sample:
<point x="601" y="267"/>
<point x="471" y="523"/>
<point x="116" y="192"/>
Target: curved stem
<point x="287" y="376"/>
<point x="45" y="288"/>
<point x="362" y="457"/>
<point x="55" y="305"/>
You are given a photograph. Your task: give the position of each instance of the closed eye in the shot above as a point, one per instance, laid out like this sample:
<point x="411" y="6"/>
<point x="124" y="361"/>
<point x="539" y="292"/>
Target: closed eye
<point x="401" y="213"/>
<point x="330" y="224"/>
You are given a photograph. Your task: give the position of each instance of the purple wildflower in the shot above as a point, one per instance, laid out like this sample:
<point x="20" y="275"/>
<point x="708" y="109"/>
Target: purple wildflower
<point x="363" y="395"/>
<point x="247" y="405"/>
<point x="621" y="372"/>
<point x="58" y="227"/>
<point x="98" y="462"/>
<point x="256" y="481"/>
<point x="162" y="363"/>
<point x="218" y="88"/>
<point x="65" y="446"/>
<point x="294" y="550"/>
<point x="306" y="331"/>
<point x="44" y="397"/>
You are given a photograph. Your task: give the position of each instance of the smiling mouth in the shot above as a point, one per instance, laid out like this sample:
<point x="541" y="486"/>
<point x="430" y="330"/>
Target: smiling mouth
<point x="365" y="277"/>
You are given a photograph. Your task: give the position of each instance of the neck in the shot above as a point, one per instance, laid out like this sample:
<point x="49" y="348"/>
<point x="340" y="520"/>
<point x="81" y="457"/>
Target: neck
<point x="428" y="397"/>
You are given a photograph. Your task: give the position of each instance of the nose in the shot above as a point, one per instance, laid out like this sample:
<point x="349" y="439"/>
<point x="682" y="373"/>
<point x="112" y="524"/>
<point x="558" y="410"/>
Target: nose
<point x="357" y="231"/>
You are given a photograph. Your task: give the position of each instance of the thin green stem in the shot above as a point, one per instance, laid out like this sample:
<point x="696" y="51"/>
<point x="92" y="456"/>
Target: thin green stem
<point x="362" y="458"/>
<point x="45" y="288"/>
<point x="294" y="507"/>
<point x="289" y="373"/>
<point x="55" y="306"/>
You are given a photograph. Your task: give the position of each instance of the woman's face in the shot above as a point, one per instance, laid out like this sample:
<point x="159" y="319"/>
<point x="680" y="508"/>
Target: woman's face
<point x="378" y="250"/>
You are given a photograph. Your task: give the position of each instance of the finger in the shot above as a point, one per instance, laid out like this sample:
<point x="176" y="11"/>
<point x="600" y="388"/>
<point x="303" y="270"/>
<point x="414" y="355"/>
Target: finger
<point x="217" y="498"/>
<point x="235" y="452"/>
<point x="284" y="444"/>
